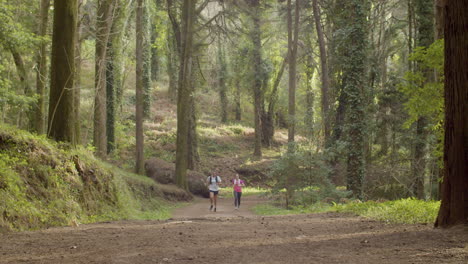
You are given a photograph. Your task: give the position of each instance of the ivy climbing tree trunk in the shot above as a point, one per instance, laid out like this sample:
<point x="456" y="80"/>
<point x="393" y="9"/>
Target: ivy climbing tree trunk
<point x="139" y="106"/>
<point x="353" y="86"/>
<point x="41" y="73"/>
<point x="61" y="125"/>
<point x="454" y="205"/>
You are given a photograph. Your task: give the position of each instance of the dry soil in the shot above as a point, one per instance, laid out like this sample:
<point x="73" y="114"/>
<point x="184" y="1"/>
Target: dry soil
<point x="196" y="235"/>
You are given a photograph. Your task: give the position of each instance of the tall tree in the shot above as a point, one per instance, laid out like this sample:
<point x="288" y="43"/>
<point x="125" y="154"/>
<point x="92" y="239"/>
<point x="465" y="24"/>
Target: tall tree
<point x="222" y="88"/>
<point x="184" y="92"/>
<point x="255" y="36"/>
<point x="139" y="167"/>
<point x="425" y="17"/>
<point x="293" y="33"/>
<point x="324" y="72"/>
<point x="454" y="205"/>
<point x="41" y="74"/>
<point x="353" y="85"/>
<point x="103" y="26"/>
<point x="61" y="125"/>
<point x="78" y="59"/>
<point x="146" y="60"/>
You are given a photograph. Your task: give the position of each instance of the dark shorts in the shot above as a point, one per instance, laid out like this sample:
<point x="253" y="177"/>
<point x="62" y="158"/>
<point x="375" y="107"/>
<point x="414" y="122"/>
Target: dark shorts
<point x="214" y="192"/>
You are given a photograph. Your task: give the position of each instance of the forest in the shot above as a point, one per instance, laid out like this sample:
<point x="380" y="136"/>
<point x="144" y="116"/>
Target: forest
<point x="315" y="102"/>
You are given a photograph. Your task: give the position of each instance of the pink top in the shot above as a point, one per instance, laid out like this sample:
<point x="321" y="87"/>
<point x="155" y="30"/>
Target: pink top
<point x="237" y="185"/>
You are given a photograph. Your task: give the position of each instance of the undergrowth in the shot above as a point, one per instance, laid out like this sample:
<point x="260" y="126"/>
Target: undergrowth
<point x="44" y="184"/>
<point x="246" y="191"/>
<point x="408" y="211"/>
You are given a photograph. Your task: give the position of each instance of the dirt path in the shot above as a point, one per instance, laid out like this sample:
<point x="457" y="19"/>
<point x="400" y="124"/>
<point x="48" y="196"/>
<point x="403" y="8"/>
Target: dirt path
<point x="225" y="208"/>
<point x="196" y="235"/>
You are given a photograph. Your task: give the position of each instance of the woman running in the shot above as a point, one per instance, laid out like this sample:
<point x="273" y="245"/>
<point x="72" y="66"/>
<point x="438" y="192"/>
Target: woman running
<point x="213" y="186"/>
<point x="237" y="185"/>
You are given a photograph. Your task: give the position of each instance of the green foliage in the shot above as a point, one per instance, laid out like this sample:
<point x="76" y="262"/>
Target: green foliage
<point x="404" y="211"/>
<point x="43" y="184"/>
<point x="305" y="174"/>
<point x="246" y="191"/>
<point x="409" y="211"/>
<point x="425" y="96"/>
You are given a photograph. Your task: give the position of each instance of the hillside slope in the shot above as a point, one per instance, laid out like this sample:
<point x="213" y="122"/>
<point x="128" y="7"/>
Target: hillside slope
<point x="43" y="184"/>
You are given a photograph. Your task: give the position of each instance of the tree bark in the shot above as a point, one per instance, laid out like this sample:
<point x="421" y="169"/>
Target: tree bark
<point x="139" y="166"/>
<point x="425" y="15"/>
<point x="61" y="125"/>
<point x="238" y="101"/>
<point x="23" y="78"/>
<point x="41" y="74"/>
<point x="353" y="86"/>
<point x="292" y="47"/>
<point x="454" y="205"/>
<point x="77" y="84"/>
<point x="255" y="36"/>
<point x="103" y="26"/>
<point x="110" y="98"/>
<point x="222" y="83"/>
<point x="268" y="118"/>
<point x="324" y="76"/>
<point x="184" y="93"/>
<point x="146" y="62"/>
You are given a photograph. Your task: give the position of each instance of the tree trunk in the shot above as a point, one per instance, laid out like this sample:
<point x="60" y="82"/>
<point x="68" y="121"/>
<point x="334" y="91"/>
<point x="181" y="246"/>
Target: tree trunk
<point x="353" y="86"/>
<point x="193" y="154"/>
<point x="439" y="18"/>
<point x="172" y="59"/>
<point x="425" y="15"/>
<point x="268" y="118"/>
<point x="77" y="85"/>
<point x="238" y="101"/>
<point x="61" y="125"/>
<point x="110" y="101"/>
<point x="454" y="205"/>
<point x="292" y="47"/>
<point x="119" y="26"/>
<point x="184" y="93"/>
<point x="324" y="76"/>
<point x="103" y="26"/>
<point x="41" y="74"/>
<point x="255" y="36"/>
<point x="146" y="62"/>
<point x="309" y="119"/>
<point x="23" y="78"/>
<point x="154" y="54"/>
<point x="222" y="83"/>
<point x="139" y="166"/>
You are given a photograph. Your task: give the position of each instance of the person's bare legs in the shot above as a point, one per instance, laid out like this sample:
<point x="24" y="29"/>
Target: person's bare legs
<point x="215" y="197"/>
<point x="211" y="200"/>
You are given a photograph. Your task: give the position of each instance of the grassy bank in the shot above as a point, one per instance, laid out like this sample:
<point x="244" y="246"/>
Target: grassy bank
<point x="44" y="184"/>
<point x="409" y="211"/>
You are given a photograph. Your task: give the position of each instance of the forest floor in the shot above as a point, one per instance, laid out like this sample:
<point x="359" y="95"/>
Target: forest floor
<point x="196" y="235"/>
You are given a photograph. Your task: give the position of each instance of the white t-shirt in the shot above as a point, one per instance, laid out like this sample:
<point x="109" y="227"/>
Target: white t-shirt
<point x="213" y="184"/>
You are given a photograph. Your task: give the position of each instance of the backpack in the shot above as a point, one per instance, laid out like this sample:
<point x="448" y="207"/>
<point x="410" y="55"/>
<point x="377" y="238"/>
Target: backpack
<point x="216" y="179"/>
